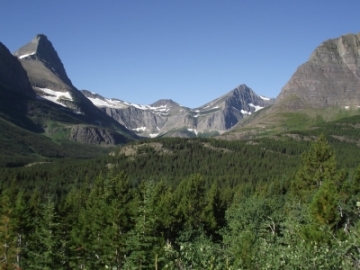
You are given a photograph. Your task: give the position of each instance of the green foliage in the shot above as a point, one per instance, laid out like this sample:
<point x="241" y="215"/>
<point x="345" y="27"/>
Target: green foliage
<point x="43" y="245"/>
<point x="201" y="204"/>
<point x="323" y="207"/>
<point x="196" y="251"/>
<point x="142" y="243"/>
<point x="318" y="166"/>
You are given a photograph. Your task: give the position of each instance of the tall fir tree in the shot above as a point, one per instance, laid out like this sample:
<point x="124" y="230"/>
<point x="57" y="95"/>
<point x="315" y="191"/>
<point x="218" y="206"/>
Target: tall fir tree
<point x="318" y="164"/>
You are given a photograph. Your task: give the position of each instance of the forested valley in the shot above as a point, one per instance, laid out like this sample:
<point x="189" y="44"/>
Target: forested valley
<point x="287" y="202"/>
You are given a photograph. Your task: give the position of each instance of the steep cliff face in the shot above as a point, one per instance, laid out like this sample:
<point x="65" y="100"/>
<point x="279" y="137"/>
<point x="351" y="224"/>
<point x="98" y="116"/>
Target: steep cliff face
<point x="16" y="92"/>
<point x="136" y="119"/>
<point x="331" y="76"/>
<point x="95" y="135"/>
<point x="12" y="74"/>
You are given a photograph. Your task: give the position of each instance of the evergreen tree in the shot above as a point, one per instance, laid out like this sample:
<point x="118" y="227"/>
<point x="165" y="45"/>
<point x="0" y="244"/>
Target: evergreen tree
<point x="192" y="203"/>
<point x="318" y="164"/>
<point x="143" y="244"/>
<point x="8" y="236"/>
<point x="43" y="244"/>
<point x="99" y="236"/>
<point x="248" y="221"/>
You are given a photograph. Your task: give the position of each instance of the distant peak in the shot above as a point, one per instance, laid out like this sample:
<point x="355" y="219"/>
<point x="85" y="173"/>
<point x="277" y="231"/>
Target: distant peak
<point x="163" y="102"/>
<point x="242" y="88"/>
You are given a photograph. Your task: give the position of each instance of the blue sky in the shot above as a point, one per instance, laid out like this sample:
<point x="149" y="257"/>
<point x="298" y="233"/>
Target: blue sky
<point x="191" y="51"/>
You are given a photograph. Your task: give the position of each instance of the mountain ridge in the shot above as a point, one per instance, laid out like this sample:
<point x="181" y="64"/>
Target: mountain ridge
<point x="330" y="77"/>
<point x="166" y="117"/>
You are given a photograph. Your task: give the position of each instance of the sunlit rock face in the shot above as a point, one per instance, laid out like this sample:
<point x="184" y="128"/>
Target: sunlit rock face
<point x="168" y="118"/>
<point x="331" y="76"/>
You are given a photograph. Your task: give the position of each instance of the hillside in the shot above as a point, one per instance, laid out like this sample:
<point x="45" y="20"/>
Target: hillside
<point x="325" y="88"/>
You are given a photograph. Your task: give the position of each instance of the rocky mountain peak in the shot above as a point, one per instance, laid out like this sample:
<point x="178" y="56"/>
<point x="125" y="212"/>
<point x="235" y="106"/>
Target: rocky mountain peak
<point x="40" y="48"/>
<point x="242" y="92"/>
<point x="164" y="102"/>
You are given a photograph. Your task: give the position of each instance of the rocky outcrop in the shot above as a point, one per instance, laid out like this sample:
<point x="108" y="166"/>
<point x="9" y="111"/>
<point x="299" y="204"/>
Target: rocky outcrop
<point x="331" y="77"/>
<point x="95" y="135"/>
<point x="136" y="119"/>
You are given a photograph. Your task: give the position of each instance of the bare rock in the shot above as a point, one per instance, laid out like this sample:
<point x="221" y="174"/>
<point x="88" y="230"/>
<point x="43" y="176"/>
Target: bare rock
<point x="331" y="77"/>
<point x="95" y="135"/>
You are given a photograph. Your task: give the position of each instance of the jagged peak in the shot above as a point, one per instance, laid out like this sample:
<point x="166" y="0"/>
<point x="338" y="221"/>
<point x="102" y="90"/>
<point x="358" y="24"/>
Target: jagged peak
<point x="40" y="48"/>
<point x="241" y="88"/>
<point x="35" y="47"/>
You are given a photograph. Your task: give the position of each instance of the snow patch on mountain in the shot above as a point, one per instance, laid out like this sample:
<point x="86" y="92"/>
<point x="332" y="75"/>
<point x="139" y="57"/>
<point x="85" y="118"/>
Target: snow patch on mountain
<point x="193" y="130"/>
<point x="138" y="129"/>
<point x="264" y="98"/>
<point x="257" y="108"/>
<point x="153" y="135"/>
<point x="119" y="104"/>
<point x="111" y="103"/>
<point x="54" y="96"/>
<point x="26" y="55"/>
<point x="245" y="112"/>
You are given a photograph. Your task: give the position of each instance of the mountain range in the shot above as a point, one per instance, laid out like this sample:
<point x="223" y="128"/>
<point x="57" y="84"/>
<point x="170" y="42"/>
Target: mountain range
<point x="168" y="118"/>
<point x="37" y="95"/>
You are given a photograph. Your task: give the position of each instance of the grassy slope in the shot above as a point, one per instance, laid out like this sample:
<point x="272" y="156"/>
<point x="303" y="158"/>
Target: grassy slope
<point x="278" y="119"/>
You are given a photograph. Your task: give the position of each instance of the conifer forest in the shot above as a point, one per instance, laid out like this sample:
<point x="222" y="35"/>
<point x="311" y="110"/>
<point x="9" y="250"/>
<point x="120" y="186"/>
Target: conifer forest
<point x="189" y="204"/>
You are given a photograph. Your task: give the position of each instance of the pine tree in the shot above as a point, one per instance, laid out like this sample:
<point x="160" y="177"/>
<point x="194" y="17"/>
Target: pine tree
<point x="323" y="208"/>
<point x="43" y="244"/>
<point x="8" y="247"/>
<point x="143" y="243"/>
<point x="318" y="165"/>
<point x="99" y="234"/>
<point x="14" y="226"/>
<point x="316" y="189"/>
<point x="192" y="202"/>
